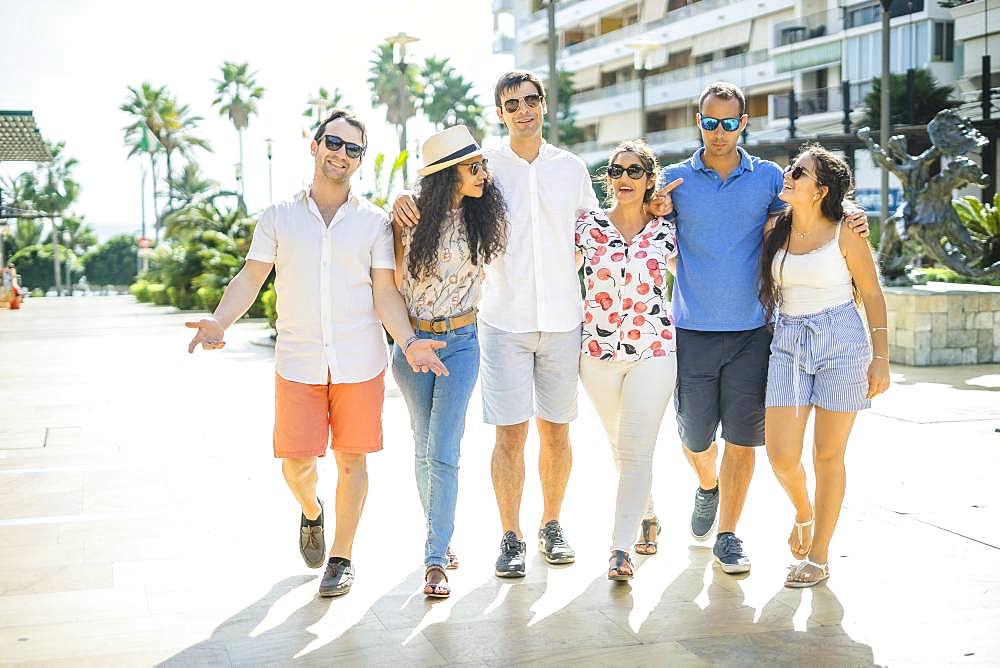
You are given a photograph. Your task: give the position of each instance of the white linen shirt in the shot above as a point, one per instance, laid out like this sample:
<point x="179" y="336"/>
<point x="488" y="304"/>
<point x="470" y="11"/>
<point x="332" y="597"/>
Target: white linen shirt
<point x="533" y="286"/>
<point x="326" y="313"/>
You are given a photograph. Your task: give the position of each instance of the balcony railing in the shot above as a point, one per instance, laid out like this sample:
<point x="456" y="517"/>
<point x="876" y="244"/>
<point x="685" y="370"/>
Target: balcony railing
<point x="807" y="27"/>
<point x="682" y="74"/>
<point x="606" y="38"/>
<point x="809" y="102"/>
<point x="689" y="10"/>
<point x="560" y="6"/>
<point x="633" y="29"/>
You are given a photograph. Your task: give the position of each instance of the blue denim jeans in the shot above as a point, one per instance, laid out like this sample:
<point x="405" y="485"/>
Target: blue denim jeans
<point x="437" y="416"/>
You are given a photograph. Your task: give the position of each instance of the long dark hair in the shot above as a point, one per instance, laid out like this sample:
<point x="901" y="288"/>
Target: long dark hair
<point x="485" y="221"/>
<point x="832" y="172"/>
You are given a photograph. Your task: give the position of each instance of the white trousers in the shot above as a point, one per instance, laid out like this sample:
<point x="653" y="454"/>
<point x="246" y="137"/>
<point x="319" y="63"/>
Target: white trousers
<point x="630" y="398"/>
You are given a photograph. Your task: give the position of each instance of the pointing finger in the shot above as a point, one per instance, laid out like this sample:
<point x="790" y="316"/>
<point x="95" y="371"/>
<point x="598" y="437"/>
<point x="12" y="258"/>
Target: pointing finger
<point x="669" y="187"/>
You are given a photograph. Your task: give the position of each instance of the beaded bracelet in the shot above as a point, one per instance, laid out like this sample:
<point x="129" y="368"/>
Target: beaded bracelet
<point x="880" y="357"/>
<point x="879" y="329"/>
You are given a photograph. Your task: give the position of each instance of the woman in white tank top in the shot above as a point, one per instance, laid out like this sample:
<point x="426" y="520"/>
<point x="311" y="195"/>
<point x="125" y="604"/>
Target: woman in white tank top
<point x="821" y="353"/>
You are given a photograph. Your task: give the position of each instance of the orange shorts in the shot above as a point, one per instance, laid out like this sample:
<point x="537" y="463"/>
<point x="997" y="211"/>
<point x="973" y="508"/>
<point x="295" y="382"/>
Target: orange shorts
<point x="349" y="415"/>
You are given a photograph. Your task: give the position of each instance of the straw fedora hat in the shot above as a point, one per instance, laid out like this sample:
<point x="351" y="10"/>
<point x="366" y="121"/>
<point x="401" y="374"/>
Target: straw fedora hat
<point x="446" y="148"/>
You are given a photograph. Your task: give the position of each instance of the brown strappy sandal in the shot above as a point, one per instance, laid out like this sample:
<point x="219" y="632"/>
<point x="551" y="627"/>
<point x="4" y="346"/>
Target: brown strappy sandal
<point x="645" y="546"/>
<point x="440" y="589"/>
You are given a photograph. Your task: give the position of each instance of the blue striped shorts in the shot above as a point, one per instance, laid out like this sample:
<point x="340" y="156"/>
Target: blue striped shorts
<point x="820" y="359"/>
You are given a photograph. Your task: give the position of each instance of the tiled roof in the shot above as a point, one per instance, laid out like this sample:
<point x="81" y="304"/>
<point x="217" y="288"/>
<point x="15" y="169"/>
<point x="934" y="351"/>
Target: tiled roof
<point x="20" y="140"/>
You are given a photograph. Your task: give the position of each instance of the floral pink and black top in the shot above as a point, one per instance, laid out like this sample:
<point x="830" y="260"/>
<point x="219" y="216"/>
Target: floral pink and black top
<point x="627" y="309"/>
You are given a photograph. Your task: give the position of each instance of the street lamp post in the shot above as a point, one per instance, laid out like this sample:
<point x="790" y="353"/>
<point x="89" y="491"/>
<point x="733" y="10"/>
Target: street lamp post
<point x="884" y="108"/>
<point x="399" y="42"/>
<point x="642" y="49"/>
<point x="270" y="182"/>
<point x="66" y="239"/>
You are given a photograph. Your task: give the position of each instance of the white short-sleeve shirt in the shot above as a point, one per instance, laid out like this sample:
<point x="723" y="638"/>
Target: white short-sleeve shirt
<point x="326" y="313"/>
<point x="533" y="286"/>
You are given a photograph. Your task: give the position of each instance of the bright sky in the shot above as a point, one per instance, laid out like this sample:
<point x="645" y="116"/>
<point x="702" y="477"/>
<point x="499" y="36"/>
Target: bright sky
<point x="70" y="61"/>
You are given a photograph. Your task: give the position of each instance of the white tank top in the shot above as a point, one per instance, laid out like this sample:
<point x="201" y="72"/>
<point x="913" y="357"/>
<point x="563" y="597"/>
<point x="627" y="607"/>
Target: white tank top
<point x="814" y="281"/>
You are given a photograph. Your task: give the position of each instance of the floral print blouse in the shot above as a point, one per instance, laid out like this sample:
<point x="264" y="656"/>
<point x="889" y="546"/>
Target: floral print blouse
<point x="456" y="285"/>
<point x="626" y="310"/>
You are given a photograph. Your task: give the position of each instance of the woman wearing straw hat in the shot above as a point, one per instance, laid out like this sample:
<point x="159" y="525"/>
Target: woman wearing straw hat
<point x="439" y="271"/>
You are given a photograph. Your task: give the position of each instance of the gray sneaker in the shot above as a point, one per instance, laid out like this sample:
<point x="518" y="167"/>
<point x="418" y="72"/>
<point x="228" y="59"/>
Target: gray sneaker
<point x="552" y="544"/>
<point x="312" y="542"/>
<point x="510" y="563"/>
<point x="338" y="578"/>
<point x="706" y="512"/>
<point x="729" y="554"/>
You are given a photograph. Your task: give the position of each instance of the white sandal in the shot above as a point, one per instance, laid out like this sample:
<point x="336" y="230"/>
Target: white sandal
<point x="799" y="526"/>
<point x="800" y="578"/>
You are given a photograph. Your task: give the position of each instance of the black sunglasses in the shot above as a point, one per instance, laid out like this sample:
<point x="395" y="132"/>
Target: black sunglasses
<point x="514" y="103"/>
<point x="798" y="171"/>
<point x="615" y="171"/>
<point x="474" y="167"/>
<point x="709" y="123"/>
<point x="333" y="143"/>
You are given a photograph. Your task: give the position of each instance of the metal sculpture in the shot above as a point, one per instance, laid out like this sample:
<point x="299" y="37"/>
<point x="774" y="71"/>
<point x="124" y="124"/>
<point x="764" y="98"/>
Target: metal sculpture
<point x="926" y="214"/>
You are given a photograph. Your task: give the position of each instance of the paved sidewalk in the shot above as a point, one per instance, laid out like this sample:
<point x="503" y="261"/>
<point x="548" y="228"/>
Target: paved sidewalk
<point x="143" y="520"/>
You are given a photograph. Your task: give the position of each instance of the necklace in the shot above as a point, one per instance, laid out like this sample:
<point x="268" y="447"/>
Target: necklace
<point x="800" y="235"/>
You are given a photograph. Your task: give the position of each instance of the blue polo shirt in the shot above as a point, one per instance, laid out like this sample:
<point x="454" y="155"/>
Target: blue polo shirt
<point x="720" y="228"/>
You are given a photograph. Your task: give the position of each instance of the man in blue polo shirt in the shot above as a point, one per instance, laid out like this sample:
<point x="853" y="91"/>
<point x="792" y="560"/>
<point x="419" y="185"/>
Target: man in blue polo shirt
<point x="722" y="197"/>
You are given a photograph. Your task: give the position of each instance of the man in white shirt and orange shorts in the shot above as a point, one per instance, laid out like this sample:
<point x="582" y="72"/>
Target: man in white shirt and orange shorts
<point x="334" y="268"/>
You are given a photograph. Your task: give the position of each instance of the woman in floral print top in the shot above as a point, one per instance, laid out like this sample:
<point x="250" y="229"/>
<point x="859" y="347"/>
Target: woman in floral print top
<point x="627" y="311"/>
<point x="628" y="362"/>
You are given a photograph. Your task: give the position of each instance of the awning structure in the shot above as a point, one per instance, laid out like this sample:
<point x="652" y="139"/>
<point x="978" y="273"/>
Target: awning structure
<point x="20" y="140"/>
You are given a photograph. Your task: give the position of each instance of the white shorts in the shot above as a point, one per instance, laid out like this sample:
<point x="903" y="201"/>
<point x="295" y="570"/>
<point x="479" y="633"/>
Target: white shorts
<point x="529" y="373"/>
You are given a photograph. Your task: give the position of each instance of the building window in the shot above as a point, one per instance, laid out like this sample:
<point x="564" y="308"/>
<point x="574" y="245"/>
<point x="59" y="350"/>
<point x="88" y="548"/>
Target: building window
<point x="862" y="16"/>
<point x="735" y="50"/>
<point x="944" y="42"/>
<point x="704" y="58"/>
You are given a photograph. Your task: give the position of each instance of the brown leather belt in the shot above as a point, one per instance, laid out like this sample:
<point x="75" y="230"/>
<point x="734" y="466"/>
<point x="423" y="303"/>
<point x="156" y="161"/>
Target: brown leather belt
<point x="442" y="325"/>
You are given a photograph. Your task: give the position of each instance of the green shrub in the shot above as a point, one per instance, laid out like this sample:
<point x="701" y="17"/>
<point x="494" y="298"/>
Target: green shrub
<point x="269" y="300"/>
<point x="111" y="263"/>
<point x="208" y="297"/>
<point x="38" y="292"/>
<point x="158" y="294"/>
<point x="181" y="298"/>
<point x="34" y="266"/>
<point x="945" y="275"/>
<point x="140" y="290"/>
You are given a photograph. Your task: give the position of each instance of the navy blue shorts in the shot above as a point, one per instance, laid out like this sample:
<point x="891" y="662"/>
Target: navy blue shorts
<point x="721" y="378"/>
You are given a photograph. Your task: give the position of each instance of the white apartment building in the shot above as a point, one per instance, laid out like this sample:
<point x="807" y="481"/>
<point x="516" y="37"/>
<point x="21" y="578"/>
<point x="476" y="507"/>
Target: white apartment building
<point x="767" y="47"/>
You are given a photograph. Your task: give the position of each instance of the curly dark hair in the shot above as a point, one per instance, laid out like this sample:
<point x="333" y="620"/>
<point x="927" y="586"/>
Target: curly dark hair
<point x="485" y="221"/>
<point x="832" y="172"/>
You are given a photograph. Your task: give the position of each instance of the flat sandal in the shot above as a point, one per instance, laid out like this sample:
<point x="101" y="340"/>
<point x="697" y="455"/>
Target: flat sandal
<point x="621" y="559"/>
<point x="800" y="578"/>
<point x="644" y="546"/>
<point x="439" y="590"/>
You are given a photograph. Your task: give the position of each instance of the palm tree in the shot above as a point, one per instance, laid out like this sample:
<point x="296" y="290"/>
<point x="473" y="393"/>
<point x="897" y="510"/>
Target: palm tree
<point x="328" y="101"/>
<point x="177" y="136"/>
<point x="929" y="97"/>
<point x="384" y="79"/>
<point x="54" y="192"/>
<point x="448" y="98"/>
<point x="144" y="105"/>
<point x="191" y="184"/>
<point x="237" y="93"/>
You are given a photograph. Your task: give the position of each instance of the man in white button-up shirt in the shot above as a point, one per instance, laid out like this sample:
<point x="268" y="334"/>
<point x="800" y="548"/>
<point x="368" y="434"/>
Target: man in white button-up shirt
<point x="530" y="316"/>
<point x="334" y="268"/>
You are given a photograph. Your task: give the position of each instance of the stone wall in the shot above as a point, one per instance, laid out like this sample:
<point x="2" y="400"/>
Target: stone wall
<point x="944" y="323"/>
